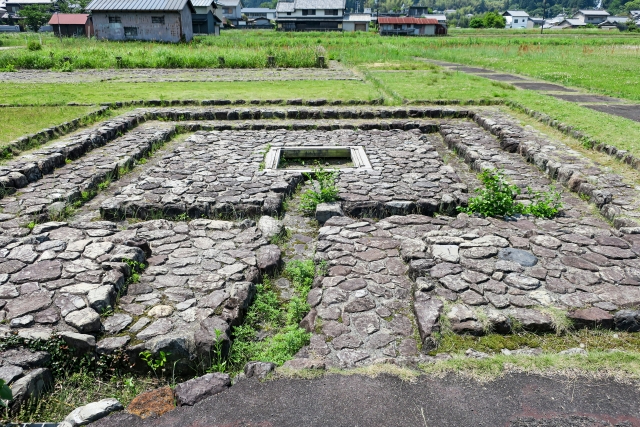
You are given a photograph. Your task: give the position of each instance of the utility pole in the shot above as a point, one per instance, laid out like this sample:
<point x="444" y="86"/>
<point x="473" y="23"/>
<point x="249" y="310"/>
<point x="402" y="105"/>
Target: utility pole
<point x="544" y="10"/>
<point x="56" y="9"/>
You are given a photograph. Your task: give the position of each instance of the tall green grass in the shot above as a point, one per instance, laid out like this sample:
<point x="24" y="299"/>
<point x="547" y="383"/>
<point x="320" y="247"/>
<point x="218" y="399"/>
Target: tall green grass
<point x="201" y="53"/>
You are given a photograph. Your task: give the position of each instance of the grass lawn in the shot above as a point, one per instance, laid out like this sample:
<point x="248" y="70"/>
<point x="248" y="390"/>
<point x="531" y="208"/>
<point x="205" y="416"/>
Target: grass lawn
<point x="438" y="84"/>
<point x="445" y="85"/>
<point x="610" y="70"/>
<point x="18" y="121"/>
<point x="59" y="94"/>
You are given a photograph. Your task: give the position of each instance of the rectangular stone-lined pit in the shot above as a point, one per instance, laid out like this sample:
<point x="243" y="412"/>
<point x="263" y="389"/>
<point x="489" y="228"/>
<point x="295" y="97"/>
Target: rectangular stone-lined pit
<point x="303" y="159"/>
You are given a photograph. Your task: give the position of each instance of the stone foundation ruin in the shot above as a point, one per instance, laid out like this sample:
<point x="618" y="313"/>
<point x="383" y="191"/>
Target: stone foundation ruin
<point x="401" y="261"/>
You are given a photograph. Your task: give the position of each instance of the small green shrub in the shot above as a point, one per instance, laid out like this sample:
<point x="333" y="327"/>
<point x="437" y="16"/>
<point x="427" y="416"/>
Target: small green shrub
<point x="544" y="204"/>
<point x="326" y="191"/>
<point x="498" y="198"/>
<point x="34" y="45"/>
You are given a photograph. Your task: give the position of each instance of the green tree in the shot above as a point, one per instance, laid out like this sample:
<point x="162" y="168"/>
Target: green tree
<point x="476" y="22"/>
<point x="632" y="27"/>
<point x="632" y="5"/>
<point x="35" y="16"/>
<point x="494" y="20"/>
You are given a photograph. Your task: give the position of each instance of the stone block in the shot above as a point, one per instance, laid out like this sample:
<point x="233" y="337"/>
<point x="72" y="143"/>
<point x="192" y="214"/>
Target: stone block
<point x="193" y="391"/>
<point x="324" y="211"/>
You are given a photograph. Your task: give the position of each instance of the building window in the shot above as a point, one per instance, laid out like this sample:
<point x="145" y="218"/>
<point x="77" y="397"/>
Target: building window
<point x="131" y="31"/>
<point x="331" y="12"/>
<point x="288" y="13"/>
<point x="114" y="20"/>
<point x="228" y="10"/>
<point x="515" y="20"/>
<point x="306" y="12"/>
<point x="157" y="19"/>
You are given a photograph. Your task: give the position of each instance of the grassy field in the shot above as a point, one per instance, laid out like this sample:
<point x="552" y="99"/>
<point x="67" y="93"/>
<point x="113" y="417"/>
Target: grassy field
<point x="437" y="84"/>
<point x="600" y="62"/>
<point x="18" y="121"/>
<point x="596" y="61"/>
<point x="57" y="94"/>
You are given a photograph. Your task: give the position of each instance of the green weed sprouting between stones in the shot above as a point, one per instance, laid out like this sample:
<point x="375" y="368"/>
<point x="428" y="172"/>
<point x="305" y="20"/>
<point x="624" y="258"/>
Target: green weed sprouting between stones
<point x="498" y="198"/>
<point x="277" y="320"/>
<point x="326" y="189"/>
<point x="5" y="393"/>
<point x="155" y="363"/>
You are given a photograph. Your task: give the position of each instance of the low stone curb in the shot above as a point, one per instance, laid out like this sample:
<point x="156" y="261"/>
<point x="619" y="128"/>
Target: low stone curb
<point x="569" y="175"/>
<point x="622" y="155"/>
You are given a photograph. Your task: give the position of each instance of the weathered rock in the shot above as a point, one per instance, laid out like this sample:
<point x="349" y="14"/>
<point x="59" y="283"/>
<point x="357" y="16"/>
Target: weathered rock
<point x="454" y="283"/>
<point x="444" y="269"/>
<point x="522" y="282"/>
<point x="102" y="298"/>
<point x="533" y="319"/>
<point x="258" y="369"/>
<point x="82" y="342"/>
<point x="627" y="320"/>
<point x="193" y="391"/>
<point x="574" y="351"/>
<point x="152" y="403"/>
<point x="161" y="311"/>
<point x="85" y="320"/>
<point x="159" y="327"/>
<point x="297" y="364"/>
<point x="448" y="253"/>
<point x="524" y="258"/>
<point x="324" y="211"/>
<point x="28" y="303"/>
<point x="591" y="318"/>
<point x="268" y="258"/>
<point x="270" y="227"/>
<point x="116" y="323"/>
<point x="427" y="315"/>
<point x="9" y="373"/>
<point x="91" y="412"/>
<point x="31" y="386"/>
<point x="42" y="271"/>
<point x="25" y="358"/>
<point x="578" y="262"/>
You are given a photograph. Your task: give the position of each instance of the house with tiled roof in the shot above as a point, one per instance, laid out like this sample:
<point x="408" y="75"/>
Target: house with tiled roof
<point x="157" y="20"/>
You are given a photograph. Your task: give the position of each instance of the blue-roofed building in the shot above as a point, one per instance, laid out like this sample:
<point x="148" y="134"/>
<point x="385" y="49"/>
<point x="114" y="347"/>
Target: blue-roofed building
<point x="153" y="20"/>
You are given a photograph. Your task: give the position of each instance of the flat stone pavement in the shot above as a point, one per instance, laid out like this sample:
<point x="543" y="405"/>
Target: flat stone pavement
<point x="604" y="104"/>
<point x="515" y="400"/>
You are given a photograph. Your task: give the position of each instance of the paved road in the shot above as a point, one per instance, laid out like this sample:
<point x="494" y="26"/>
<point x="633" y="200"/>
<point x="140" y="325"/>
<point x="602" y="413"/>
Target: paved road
<point x="605" y="104"/>
<point x="516" y="400"/>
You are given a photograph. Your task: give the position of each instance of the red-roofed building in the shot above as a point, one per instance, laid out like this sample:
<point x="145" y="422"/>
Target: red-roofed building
<point x="406" y="26"/>
<point x="72" y="24"/>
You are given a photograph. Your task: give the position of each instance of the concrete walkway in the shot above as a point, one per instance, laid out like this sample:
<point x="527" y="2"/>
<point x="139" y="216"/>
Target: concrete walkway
<point x="515" y="400"/>
<point x="605" y="104"/>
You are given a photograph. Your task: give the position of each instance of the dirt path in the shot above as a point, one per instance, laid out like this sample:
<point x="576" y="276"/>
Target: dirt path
<point x="516" y="400"/>
<point x="605" y="104"/>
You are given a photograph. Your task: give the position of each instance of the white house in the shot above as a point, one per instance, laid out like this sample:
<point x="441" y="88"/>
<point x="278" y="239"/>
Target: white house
<point x="259" y="12"/>
<point x="593" y="17"/>
<point x="517" y="19"/>
<point x="356" y="22"/>
<point x="310" y="15"/>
